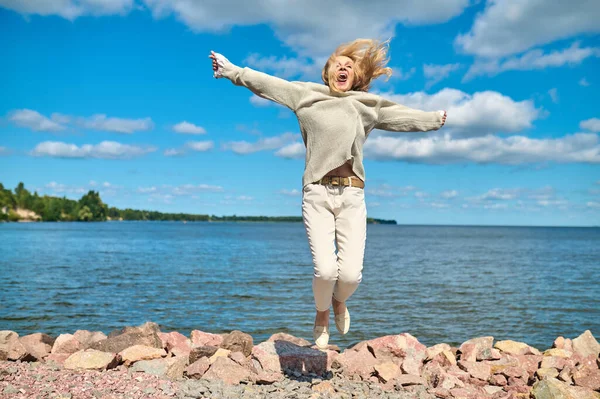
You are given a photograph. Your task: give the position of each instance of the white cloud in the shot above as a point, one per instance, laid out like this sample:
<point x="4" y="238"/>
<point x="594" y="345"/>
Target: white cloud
<point x="593" y="204"/>
<point x="103" y="150"/>
<point x="186" y="127"/>
<point x="478" y="114"/>
<point x="498" y="194"/>
<point x="509" y="27"/>
<point x="265" y="143"/>
<point x="147" y="190"/>
<point x="34" y="120"/>
<point x="553" y="95"/>
<point x="295" y="150"/>
<point x="200" y="146"/>
<point x="245" y="198"/>
<point x="287" y="67"/>
<point x="421" y="194"/>
<point x="92" y="183"/>
<point x="306" y="26"/>
<point x="436" y="73"/>
<point x="532" y="60"/>
<point x="583" y="82"/>
<point x="449" y="194"/>
<point x="495" y="206"/>
<point x="291" y="193"/>
<point x="69" y="9"/>
<point x="173" y="152"/>
<point x="189" y="189"/>
<point x="592" y="125"/>
<point x="513" y="150"/>
<point x="118" y="125"/>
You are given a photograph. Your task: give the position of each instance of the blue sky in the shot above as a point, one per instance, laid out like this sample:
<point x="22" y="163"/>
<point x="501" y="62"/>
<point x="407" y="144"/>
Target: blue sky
<point x="118" y="96"/>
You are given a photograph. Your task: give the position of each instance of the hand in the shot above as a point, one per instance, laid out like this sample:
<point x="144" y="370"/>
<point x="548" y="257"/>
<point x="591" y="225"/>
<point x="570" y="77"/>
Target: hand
<point x="444" y="118"/>
<point x="212" y="55"/>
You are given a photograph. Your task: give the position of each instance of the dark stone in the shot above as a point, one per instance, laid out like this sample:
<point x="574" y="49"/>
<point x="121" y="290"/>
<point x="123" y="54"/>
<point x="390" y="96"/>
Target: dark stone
<point x="202" y="351"/>
<point x="237" y="341"/>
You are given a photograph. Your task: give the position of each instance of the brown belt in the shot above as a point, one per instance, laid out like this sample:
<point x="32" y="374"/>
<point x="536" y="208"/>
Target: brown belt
<point x="341" y="181"/>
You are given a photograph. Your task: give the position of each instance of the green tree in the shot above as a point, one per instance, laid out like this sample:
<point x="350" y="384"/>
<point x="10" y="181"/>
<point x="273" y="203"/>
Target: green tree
<point x="92" y="201"/>
<point x="85" y="214"/>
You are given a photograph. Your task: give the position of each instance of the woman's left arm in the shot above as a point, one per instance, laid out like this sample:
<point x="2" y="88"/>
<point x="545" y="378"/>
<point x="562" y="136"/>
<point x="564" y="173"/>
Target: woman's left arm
<point x="396" y="117"/>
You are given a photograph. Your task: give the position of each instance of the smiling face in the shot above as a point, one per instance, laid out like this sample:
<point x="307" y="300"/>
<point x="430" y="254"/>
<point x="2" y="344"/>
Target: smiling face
<point x="341" y="73"/>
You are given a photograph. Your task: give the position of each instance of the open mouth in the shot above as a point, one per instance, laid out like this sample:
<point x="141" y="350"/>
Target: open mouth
<point x="342" y="77"/>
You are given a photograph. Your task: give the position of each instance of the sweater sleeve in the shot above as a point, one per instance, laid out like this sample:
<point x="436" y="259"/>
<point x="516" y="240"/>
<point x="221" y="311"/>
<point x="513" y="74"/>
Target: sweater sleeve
<point x="395" y="117"/>
<point x="266" y="86"/>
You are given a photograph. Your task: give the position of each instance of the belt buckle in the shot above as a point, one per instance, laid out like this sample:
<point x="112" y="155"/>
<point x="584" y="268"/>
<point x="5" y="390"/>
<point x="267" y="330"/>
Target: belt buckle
<point x="335" y="181"/>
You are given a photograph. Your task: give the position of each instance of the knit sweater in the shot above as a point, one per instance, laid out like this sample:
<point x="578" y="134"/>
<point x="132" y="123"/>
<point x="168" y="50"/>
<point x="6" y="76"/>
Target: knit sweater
<point x="334" y="126"/>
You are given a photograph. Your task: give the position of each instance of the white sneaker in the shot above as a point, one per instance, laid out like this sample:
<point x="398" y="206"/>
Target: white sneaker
<point x="321" y="336"/>
<point x="342" y="322"/>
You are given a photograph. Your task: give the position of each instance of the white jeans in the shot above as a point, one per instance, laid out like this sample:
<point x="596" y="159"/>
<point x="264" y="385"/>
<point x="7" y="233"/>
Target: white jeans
<point x="335" y="215"/>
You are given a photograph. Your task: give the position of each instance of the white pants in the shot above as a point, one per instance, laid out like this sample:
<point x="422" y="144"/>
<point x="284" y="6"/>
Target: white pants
<point x="335" y="215"/>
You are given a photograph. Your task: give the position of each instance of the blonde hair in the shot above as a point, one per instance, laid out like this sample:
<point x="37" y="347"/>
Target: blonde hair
<point x="370" y="60"/>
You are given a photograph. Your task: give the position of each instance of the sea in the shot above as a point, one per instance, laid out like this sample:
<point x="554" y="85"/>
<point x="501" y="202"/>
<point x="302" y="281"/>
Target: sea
<point x="438" y="283"/>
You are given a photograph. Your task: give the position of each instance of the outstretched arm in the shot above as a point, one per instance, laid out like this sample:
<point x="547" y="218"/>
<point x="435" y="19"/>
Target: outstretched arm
<point x="399" y="118"/>
<point x="270" y="87"/>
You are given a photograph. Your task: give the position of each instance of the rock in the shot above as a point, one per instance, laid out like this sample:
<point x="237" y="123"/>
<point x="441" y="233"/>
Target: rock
<point x="476" y="349"/>
<point x="87" y="338"/>
<point x="586" y="345"/>
<point x="441" y="393"/>
<point x="280" y="355"/>
<point x="239" y="358"/>
<point x="172" y="367"/>
<point x="202" y="351"/>
<point x="219" y="353"/>
<point x="140" y="352"/>
<point x="176" y="343"/>
<point x="228" y="371"/>
<point x="200" y="338"/>
<point x="387" y="371"/>
<point x="551" y="389"/>
<point x="467" y="392"/>
<point x="289" y="338"/>
<point x="588" y="378"/>
<point x="565" y="376"/>
<point x="409" y="379"/>
<point x="91" y="359"/>
<point x="237" y="341"/>
<point x="583" y="393"/>
<point x="38" y="345"/>
<point x="558" y="352"/>
<point x="324" y="387"/>
<point x="402" y="345"/>
<point x="498" y="380"/>
<point x="58" y="358"/>
<point x="445" y="359"/>
<point x="530" y="363"/>
<point x="434" y="350"/>
<point x="198" y="368"/>
<point x="491" y="389"/>
<point x="547" y="372"/>
<point x="478" y="370"/>
<point x="11" y="347"/>
<point x="266" y="377"/>
<point x="66" y="343"/>
<point x="117" y="341"/>
<point x="559" y="343"/>
<point x="516" y="348"/>
<point x="553" y="361"/>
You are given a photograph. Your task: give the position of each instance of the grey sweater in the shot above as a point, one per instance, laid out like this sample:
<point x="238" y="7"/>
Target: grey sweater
<point x="334" y="126"/>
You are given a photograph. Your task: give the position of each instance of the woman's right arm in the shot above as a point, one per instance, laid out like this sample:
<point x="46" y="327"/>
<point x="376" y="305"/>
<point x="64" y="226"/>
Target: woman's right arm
<point x="270" y="87"/>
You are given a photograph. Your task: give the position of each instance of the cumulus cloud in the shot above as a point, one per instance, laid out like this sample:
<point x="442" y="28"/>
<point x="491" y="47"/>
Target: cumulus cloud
<point x="69" y="9"/>
<point x="512" y="26"/>
<point x="35" y="121"/>
<point x="189" y="189"/>
<point x="118" y="125"/>
<point x="532" y="60"/>
<point x="186" y="127"/>
<point x="295" y="150"/>
<point x="198" y="146"/>
<point x="591" y="125"/>
<point x="291" y="193"/>
<point x="490" y="149"/>
<point x="265" y="143"/>
<point x="449" y="194"/>
<point x="103" y="150"/>
<point x="477" y="114"/>
<point x="436" y="73"/>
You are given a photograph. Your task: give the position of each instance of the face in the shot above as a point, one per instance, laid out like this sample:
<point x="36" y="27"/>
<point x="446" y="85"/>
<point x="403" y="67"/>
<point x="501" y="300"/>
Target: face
<point x="342" y="73"/>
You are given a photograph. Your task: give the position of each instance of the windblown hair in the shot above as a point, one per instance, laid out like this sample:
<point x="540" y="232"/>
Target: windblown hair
<point x="370" y="60"/>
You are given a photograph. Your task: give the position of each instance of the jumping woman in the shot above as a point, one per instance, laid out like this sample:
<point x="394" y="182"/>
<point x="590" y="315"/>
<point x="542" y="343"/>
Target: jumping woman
<point x="335" y="119"/>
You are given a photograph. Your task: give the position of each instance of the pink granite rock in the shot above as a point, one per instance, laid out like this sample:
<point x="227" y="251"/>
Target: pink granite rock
<point x="201" y="338"/>
<point x="198" y="368"/>
<point x="237" y="341"/>
<point x="88" y="338"/>
<point x="477" y="349"/>
<point x="117" y="341"/>
<point x="445" y="359"/>
<point x="586" y="345"/>
<point x="290" y="338"/>
<point x="553" y="361"/>
<point x="239" y="358"/>
<point x="409" y="379"/>
<point x="38" y="345"/>
<point x="478" y="370"/>
<point x="228" y="371"/>
<point x="516" y="348"/>
<point x="136" y="353"/>
<point x="176" y="343"/>
<point x="434" y="350"/>
<point x="91" y="359"/>
<point x="58" y="358"/>
<point x="281" y="355"/>
<point x="402" y="345"/>
<point x="10" y="346"/>
<point x="498" y="379"/>
<point x="66" y="343"/>
<point x="559" y="343"/>
<point x="587" y="378"/>
<point x="387" y="371"/>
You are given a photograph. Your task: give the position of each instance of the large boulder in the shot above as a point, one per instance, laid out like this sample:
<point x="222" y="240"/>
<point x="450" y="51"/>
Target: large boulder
<point x="141" y="352"/>
<point x="201" y="338"/>
<point x="586" y="345"/>
<point x="202" y="351"/>
<point x="228" y="371"/>
<point x="117" y="341"/>
<point x="477" y="349"/>
<point x="359" y="362"/>
<point x="91" y="359"/>
<point x="66" y="343"/>
<point x="237" y="341"/>
<point x="403" y="346"/>
<point x="198" y="368"/>
<point x="87" y="338"/>
<point x="10" y="346"/>
<point x="38" y="345"/>
<point x="176" y="343"/>
<point x="171" y="367"/>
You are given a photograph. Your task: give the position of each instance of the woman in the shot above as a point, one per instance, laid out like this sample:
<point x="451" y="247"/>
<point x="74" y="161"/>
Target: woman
<point x="335" y="120"/>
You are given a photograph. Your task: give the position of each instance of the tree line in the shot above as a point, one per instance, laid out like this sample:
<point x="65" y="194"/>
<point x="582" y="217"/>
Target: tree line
<point x="91" y="208"/>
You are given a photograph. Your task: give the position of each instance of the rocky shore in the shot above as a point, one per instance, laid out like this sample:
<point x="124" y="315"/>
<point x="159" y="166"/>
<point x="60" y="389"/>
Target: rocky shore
<point x="143" y="362"/>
